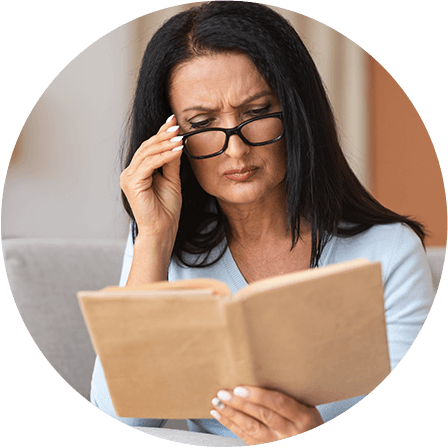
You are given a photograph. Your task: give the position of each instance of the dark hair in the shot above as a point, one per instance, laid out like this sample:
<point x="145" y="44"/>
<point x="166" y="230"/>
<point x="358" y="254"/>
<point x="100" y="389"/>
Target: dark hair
<point x="320" y="186"/>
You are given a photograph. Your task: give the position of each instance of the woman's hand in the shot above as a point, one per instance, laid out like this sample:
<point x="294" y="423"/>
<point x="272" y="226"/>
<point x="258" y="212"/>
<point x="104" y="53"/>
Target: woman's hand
<point x="155" y="199"/>
<point x="257" y="415"/>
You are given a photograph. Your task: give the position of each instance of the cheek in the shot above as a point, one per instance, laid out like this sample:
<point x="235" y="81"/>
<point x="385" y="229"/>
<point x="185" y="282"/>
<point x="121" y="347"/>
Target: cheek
<point x="277" y="163"/>
<point x="203" y="171"/>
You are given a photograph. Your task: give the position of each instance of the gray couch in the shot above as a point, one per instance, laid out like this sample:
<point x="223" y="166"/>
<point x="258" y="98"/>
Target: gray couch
<point x="44" y="276"/>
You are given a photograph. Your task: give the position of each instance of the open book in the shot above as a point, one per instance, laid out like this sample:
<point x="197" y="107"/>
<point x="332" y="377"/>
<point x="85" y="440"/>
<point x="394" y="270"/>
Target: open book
<point x="168" y="348"/>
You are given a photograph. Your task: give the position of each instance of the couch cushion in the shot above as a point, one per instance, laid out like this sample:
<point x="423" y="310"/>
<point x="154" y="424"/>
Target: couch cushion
<point x="44" y="276"/>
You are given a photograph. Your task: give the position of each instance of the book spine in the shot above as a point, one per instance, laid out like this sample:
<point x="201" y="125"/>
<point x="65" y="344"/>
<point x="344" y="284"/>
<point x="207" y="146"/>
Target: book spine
<point x="238" y="369"/>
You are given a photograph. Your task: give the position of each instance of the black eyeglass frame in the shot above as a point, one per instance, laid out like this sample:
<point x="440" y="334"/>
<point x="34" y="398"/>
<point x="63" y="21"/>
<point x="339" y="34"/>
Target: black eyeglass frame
<point x="234" y="131"/>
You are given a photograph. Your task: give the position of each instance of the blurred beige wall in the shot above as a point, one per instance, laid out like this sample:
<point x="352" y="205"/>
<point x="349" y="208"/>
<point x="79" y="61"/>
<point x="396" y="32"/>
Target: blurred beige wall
<point x="63" y="180"/>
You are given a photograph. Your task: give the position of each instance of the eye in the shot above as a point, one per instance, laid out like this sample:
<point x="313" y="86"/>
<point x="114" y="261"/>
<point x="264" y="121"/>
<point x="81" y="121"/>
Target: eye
<point x="200" y="121"/>
<point x="200" y="124"/>
<point x="259" y="111"/>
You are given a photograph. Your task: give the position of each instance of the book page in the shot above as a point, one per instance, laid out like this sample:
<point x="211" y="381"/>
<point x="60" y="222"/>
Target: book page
<point x="165" y="353"/>
<point x="320" y="340"/>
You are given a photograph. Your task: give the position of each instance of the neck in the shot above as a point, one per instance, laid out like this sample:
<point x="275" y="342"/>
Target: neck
<point x="251" y="223"/>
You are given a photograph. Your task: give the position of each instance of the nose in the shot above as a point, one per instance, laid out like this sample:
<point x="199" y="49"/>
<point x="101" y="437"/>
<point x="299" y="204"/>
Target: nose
<point x="236" y="147"/>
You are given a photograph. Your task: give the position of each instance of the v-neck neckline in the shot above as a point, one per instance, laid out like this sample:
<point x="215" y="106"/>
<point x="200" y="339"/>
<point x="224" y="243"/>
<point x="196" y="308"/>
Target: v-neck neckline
<point x="233" y="270"/>
<point x="237" y="277"/>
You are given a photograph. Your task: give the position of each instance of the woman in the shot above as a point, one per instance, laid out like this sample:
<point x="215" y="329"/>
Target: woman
<point x="246" y="180"/>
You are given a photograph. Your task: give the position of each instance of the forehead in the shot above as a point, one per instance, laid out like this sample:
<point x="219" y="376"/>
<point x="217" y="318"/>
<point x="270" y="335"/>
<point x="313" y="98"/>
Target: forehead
<point x="225" y="77"/>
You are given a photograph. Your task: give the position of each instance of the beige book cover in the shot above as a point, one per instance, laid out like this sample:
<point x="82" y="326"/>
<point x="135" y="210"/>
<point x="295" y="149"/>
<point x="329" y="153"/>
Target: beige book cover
<point x="168" y="348"/>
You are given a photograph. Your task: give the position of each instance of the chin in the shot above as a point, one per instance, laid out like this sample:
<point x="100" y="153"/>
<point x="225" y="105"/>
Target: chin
<point x="242" y="197"/>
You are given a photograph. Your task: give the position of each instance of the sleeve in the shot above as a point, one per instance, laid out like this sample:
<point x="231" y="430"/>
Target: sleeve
<point x="127" y="260"/>
<point x="408" y="293"/>
<point x="408" y="296"/>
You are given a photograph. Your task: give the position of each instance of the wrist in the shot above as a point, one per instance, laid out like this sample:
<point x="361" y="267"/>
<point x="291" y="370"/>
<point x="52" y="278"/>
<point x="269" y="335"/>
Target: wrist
<point x="153" y="243"/>
<point x="151" y="260"/>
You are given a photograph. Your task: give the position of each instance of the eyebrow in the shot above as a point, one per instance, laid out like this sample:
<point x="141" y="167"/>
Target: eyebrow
<point x="247" y="101"/>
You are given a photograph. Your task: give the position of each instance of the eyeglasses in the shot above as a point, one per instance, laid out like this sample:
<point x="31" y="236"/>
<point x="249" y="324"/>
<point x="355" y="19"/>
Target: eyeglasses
<point x="258" y="131"/>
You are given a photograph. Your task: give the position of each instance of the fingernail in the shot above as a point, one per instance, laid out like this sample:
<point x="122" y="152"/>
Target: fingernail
<point x="174" y="139"/>
<point x="170" y="118"/>
<point x="172" y="129"/>
<point x="217" y="403"/>
<point x="215" y="414"/>
<point x="241" y="392"/>
<point x="178" y="148"/>
<point x="224" y="395"/>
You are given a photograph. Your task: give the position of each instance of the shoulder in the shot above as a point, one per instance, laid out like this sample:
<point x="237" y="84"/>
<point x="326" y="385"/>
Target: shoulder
<point x="396" y="246"/>
<point x="385" y="243"/>
<point x="404" y="263"/>
<point x="407" y="279"/>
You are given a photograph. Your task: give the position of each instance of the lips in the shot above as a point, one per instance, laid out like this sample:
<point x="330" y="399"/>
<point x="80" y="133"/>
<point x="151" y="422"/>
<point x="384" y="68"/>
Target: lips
<point x="240" y="174"/>
<point x="240" y="170"/>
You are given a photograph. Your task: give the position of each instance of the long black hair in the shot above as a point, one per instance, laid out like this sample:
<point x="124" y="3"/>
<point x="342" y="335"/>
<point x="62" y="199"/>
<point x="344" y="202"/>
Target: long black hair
<point x="319" y="184"/>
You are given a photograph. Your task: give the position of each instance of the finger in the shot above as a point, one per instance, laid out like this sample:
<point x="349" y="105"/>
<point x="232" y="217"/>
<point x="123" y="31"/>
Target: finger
<point x="159" y="142"/>
<point x="141" y="176"/>
<point x="166" y="138"/>
<point x="153" y="151"/>
<point x="171" y="170"/>
<point x="284" y="405"/>
<point x="282" y="426"/>
<point x="303" y="416"/>
<point x="171" y="121"/>
<point x="251" y="431"/>
<point x="151" y="163"/>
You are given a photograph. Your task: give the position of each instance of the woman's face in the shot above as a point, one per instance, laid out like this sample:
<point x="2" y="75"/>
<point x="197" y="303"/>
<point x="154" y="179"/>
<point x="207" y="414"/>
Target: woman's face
<point x="223" y="91"/>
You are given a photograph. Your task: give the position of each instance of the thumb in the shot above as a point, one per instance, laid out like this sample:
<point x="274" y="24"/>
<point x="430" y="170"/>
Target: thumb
<point x="171" y="170"/>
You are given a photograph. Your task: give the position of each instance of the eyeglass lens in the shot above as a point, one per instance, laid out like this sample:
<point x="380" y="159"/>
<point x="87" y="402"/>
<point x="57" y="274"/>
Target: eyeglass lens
<point x="211" y="142"/>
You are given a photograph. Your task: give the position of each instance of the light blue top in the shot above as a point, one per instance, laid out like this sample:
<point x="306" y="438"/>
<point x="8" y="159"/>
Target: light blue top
<point x="408" y="295"/>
